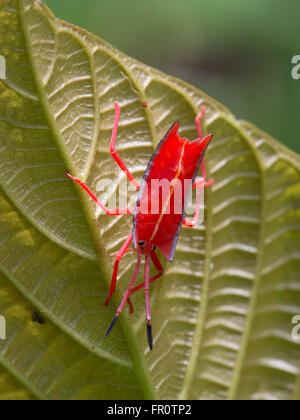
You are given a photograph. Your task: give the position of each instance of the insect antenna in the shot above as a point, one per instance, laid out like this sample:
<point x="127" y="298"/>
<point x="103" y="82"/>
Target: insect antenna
<point x="111" y="326"/>
<point x="147" y="301"/>
<point x="126" y="296"/>
<point x="149" y="336"/>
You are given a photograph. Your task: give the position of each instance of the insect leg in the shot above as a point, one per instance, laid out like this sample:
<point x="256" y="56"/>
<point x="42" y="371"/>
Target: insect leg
<point x="200" y="135"/>
<point x="158" y="266"/>
<point x="115" y="154"/>
<point x="192" y="223"/>
<point x="147" y="301"/>
<point x="109" y="212"/>
<point x="119" y="256"/>
<point x="199" y="183"/>
<point x="198" y="121"/>
<point x="126" y="296"/>
<point x="131" y="310"/>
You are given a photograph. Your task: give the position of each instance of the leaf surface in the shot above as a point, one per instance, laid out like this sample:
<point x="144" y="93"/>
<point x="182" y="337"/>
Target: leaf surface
<point x="222" y="315"/>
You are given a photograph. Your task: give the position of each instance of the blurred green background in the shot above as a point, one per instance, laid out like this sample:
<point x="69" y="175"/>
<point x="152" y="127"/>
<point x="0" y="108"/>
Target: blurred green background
<point x="239" y="52"/>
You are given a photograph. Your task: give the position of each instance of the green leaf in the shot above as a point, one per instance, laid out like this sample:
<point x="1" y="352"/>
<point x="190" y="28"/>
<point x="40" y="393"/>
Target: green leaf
<point x="222" y="315"/>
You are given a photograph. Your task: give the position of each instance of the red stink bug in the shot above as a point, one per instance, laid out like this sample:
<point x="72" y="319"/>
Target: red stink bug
<point x="175" y="159"/>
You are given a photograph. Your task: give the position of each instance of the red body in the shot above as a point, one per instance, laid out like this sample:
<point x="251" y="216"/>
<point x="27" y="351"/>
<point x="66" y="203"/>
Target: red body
<point x="159" y="212"/>
<point x="175" y="159"/>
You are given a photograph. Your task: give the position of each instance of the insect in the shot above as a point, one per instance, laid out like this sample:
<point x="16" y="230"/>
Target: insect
<point x="175" y="159"/>
<point x="36" y="317"/>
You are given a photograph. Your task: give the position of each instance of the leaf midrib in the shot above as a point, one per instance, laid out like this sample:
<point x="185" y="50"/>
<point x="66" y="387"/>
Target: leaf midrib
<point x="189" y="375"/>
<point x="138" y="360"/>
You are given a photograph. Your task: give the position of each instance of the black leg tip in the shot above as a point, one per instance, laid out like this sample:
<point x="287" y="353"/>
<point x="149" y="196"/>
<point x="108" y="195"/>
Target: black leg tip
<point x="149" y="335"/>
<point x="111" y="326"/>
